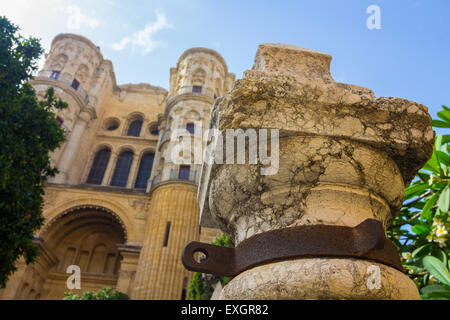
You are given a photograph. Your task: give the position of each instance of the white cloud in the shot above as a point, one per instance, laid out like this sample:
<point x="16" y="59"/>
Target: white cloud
<point x="77" y="20"/>
<point x="122" y="44"/>
<point x="45" y="18"/>
<point x="143" y="39"/>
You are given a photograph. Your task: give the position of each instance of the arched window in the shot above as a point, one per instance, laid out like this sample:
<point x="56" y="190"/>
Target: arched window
<point x="154" y="129"/>
<point x="184" y="172"/>
<point x="55" y="75"/>
<point x="190" y="127"/>
<point x="134" y="130"/>
<point x="122" y="169"/>
<point x="99" y="166"/>
<point x="145" y="168"/>
<point x="197" y="89"/>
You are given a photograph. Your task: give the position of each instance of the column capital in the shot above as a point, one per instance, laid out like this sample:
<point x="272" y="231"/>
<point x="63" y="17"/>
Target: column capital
<point x="340" y="155"/>
<point x="87" y="114"/>
<point x="84" y="116"/>
<point x="129" y="248"/>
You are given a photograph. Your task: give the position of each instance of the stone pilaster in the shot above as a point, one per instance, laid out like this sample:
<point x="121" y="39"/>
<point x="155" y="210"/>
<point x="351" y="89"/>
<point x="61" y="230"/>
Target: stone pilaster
<point x="133" y="171"/>
<point x="110" y="169"/>
<point x="128" y="265"/>
<point x="160" y="274"/>
<point x="344" y="156"/>
<point x="72" y="147"/>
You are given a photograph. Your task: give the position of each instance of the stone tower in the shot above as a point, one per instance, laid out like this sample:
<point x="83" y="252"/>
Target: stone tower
<point x="201" y="75"/>
<point x="76" y="69"/>
<point x="120" y="209"/>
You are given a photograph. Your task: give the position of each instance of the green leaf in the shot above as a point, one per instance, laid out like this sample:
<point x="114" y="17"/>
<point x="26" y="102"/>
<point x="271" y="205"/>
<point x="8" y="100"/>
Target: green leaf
<point x="444" y="115"/>
<point x="445" y="139"/>
<point x="412" y="190"/>
<point x="434" y="288"/>
<point x="423" y="250"/>
<point x="438" y="142"/>
<point x="423" y="175"/>
<point x="440" y="124"/>
<point x="444" y="200"/>
<point x="432" y="164"/>
<point x="435" y="291"/>
<point x="438" y="296"/>
<point x="416" y="269"/>
<point x="443" y="157"/>
<point x="426" y="212"/>
<point x="437" y="269"/>
<point x="441" y="255"/>
<point x="420" y="229"/>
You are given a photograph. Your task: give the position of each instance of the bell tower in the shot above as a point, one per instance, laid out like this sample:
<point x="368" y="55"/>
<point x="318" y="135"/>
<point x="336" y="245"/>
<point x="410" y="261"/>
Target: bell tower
<point x="75" y="68"/>
<point x="201" y="75"/>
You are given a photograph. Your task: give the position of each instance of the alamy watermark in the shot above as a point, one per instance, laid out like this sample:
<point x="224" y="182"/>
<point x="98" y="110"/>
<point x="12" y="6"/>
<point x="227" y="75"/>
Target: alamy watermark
<point x="374" y="280"/>
<point x="250" y="146"/>
<point x="374" y="20"/>
<point x="74" y="280"/>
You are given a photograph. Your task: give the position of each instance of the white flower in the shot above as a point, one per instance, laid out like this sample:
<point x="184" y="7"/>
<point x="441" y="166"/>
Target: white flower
<point x="407" y="255"/>
<point x="430" y="238"/>
<point x="436" y="222"/>
<point x="442" y="241"/>
<point x="430" y="182"/>
<point x="431" y="279"/>
<point x="441" y="231"/>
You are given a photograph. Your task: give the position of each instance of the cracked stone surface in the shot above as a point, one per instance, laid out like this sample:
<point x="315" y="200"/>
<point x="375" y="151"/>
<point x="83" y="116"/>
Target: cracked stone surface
<point x="344" y="155"/>
<point x="321" y="279"/>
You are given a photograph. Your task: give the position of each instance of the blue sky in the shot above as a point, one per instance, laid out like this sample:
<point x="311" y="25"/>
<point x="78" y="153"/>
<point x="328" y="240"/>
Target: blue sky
<point x="409" y="57"/>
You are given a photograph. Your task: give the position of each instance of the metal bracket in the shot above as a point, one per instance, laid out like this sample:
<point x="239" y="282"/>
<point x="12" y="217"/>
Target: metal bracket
<point x="365" y="241"/>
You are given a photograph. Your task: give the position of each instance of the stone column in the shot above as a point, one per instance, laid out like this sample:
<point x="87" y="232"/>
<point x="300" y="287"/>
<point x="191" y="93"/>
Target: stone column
<point x="110" y="169"/>
<point x="344" y="156"/>
<point x="72" y="146"/>
<point x="172" y="222"/>
<point x="133" y="171"/>
<point x="128" y="265"/>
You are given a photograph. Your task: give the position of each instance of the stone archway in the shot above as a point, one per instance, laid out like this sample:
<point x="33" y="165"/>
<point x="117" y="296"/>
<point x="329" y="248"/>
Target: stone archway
<point x="88" y="237"/>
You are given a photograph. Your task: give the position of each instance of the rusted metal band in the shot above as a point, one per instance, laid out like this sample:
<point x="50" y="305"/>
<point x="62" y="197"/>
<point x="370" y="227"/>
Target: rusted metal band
<point x="365" y="241"/>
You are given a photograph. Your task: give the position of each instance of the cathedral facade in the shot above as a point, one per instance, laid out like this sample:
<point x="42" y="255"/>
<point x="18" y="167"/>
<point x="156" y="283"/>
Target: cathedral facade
<point x="120" y="208"/>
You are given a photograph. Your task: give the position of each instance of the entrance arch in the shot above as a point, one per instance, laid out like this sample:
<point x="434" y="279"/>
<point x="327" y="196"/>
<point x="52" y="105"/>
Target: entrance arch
<point x="88" y="237"/>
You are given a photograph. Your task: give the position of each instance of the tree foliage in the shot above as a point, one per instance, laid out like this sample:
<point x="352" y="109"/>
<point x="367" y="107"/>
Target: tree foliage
<point x="197" y="286"/>
<point x="28" y="132"/>
<point x="421" y="230"/>
<point x="106" y="293"/>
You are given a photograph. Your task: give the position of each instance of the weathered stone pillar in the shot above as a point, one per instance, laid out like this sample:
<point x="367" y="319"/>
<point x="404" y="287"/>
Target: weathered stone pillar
<point x="110" y="168"/>
<point x="128" y="265"/>
<point x="133" y="171"/>
<point x="172" y="222"/>
<point x="71" y="149"/>
<point x="344" y="157"/>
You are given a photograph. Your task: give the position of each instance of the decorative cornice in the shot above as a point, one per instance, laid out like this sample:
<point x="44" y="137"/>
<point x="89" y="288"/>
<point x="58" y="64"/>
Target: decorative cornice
<point x="129" y="248"/>
<point x="143" y="88"/>
<point x="50" y="258"/>
<point x="204" y="50"/>
<point x="56" y="83"/>
<point x="184" y="97"/>
<point x="87" y="277"/>
<point x="91" y="114"/>
<point x="167" y="182"/>
<point x="77" y="37"/>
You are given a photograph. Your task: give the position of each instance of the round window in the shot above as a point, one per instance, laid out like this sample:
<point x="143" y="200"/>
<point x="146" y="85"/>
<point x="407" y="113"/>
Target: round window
<point x="154" y="129"/>
<point x="111" y="124"/>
